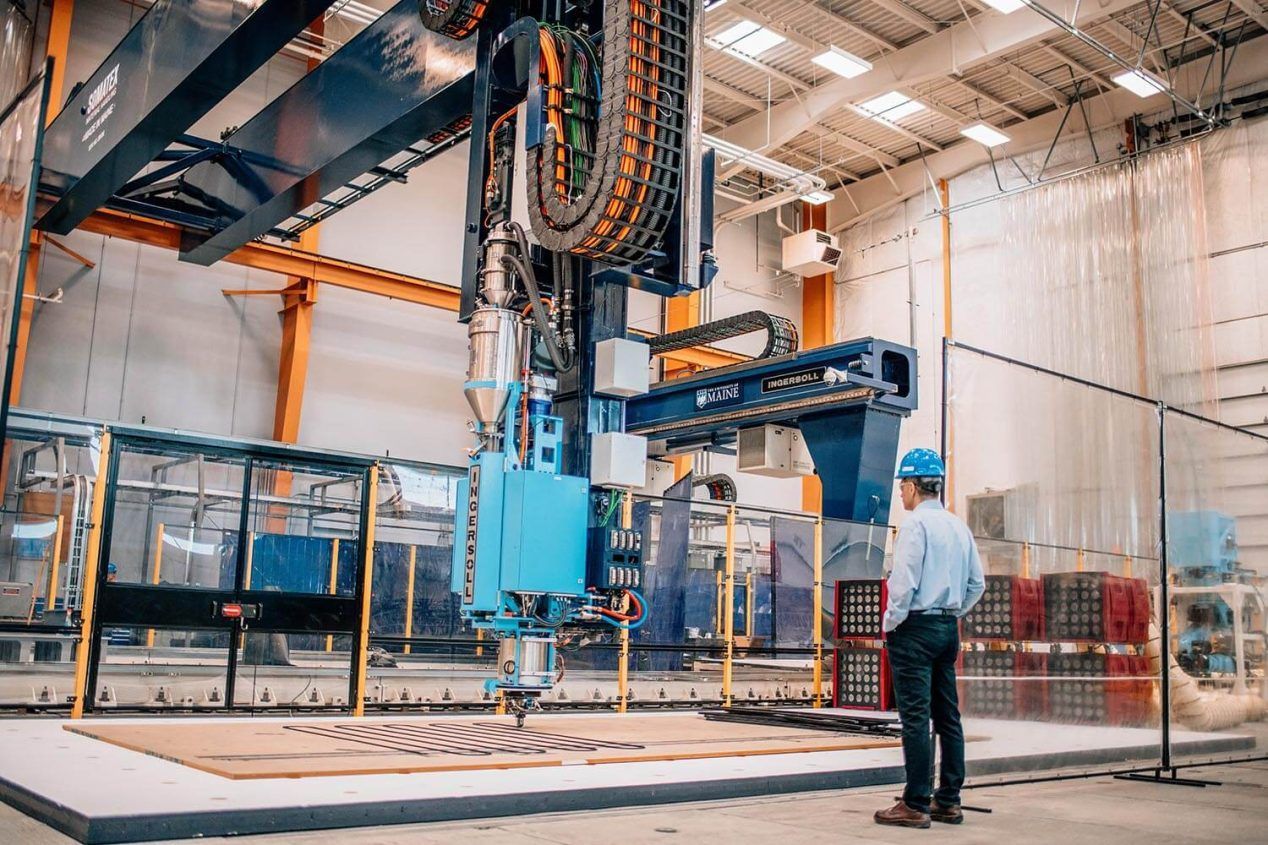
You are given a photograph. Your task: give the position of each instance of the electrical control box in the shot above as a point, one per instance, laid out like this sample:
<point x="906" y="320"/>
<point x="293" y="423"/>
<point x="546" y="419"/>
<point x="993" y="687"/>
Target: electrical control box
<point x="618" y="460"/>
<point x="776" y="451"/>
<point x="621" y="368"/>
<point x="615" y="559"/>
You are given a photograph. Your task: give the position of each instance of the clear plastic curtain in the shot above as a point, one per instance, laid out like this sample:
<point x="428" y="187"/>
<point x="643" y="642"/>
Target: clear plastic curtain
<point x="19" y="149"/>
<point x="1108" y="277"/>
<point x="1104" y="278"/>
<point x="15" y="51"/>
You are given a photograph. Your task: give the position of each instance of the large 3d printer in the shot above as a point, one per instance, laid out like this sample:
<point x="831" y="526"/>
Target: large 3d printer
<point x="587" y="177"/>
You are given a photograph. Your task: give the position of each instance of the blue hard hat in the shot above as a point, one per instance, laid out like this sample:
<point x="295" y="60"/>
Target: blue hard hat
<point x="111" y="569"/>
<point x="921" y="463"/>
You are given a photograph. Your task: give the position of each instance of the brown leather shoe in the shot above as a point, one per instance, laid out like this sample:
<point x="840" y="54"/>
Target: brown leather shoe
<point x="900" y="815"/>
<point x="946" y="815"/>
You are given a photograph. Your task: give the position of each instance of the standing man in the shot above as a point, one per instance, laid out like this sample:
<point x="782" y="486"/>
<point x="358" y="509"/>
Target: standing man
<point x="937" y="578"/>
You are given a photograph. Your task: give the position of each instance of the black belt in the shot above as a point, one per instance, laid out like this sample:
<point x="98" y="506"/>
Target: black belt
<point x="935" y="611"/>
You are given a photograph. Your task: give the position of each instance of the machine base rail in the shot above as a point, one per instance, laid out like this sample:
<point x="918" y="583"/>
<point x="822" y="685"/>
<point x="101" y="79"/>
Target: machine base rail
<point x="812" y="720"/>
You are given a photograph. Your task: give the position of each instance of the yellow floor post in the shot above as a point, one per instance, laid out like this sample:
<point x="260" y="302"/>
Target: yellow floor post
<point x="748" y="604"/>
<point x="155" y="574"/>
<point x="1025" y="560"/>
<point x="1127" y="566"/>
<point x="1081" y="562"/>
<point x="718" y="590"/>
<point x="817" y="633"/>
<point x="409" y="597"/>
<point x="91" y="563"/>
<point x="334" y="584"/>
<point x="246" y="576"/>
<point x="728" y="610"/>
<point x="623" y="661"/>
<point x="367" y="553"/>
<point x="50" y="603"/>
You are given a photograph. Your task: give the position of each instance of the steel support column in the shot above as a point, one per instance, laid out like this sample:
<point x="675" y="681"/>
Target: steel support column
<point x="818" y="310"/>
<point x="681" y="312"/>
<point x="58" y="48"/>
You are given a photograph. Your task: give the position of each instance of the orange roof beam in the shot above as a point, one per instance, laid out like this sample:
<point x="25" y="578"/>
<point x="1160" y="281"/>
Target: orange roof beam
<point x="345" y="274"/>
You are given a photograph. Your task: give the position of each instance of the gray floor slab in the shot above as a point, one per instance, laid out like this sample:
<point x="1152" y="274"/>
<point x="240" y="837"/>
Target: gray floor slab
<point x="1081" y="812"/>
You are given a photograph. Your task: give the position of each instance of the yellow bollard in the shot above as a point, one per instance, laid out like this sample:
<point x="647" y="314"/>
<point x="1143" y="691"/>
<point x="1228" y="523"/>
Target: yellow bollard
<point x="817" y="632"/>
<point x="1025" y="559"/>
<point x="748" y="604"/>
<point x="156" y="573"/>
<point x="334" y="584"/>
<point x="623" y="661"/>
<point x="717" y="601"/>
<point x="367" y="552"/>
<point x="53" y="572"/>
<point x="409" y="597"/>
<point x="729" y="607"/>
<point x="92" y="563"/>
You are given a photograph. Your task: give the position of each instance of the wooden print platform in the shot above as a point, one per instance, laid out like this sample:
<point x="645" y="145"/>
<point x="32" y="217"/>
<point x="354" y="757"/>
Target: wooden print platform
<point x="245" y="750"/>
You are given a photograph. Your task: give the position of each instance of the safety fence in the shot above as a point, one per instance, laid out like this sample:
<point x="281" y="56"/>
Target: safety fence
<point x="1064" y="651"/>
<point x="1126" y="546"/>
<point x="182" y="520"/>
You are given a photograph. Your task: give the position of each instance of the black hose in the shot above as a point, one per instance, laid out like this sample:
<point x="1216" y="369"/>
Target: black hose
<point x="525" y="271"/>
<point x="562" y="364"/>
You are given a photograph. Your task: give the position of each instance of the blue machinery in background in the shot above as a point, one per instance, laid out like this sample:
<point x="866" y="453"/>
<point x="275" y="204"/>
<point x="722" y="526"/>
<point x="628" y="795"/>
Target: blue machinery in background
<point x="587" y="176"/>
<point x="1203" y="552"/>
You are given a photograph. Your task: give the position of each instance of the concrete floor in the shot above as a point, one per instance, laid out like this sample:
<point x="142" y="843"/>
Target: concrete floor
<point x="1091" y="811"/>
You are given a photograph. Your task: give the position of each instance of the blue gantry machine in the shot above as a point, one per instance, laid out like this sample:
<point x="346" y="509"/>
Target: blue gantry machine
<point x="588" y="176"/>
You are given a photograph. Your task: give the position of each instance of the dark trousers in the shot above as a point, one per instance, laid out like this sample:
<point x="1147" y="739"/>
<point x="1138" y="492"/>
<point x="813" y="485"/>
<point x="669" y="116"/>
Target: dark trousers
<point x="922" y="653"/>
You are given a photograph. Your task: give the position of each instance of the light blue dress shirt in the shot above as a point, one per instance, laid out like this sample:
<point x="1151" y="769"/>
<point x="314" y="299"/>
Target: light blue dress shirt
<point x="936" y="565"/>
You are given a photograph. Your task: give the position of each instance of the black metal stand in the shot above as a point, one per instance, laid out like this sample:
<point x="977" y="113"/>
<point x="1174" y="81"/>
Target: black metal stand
<point x="1172" y="779"/>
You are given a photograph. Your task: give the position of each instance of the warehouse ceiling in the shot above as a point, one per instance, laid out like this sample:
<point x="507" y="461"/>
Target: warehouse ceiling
<point x="958" y="62"/>
<point x="963" y="61"/>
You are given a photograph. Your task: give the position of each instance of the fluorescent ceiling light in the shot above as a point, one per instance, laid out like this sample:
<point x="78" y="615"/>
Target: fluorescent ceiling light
<point x="1140" y="83"/>
<point x="985" y="134"/>
<point x="1004" y="6"/>
<point x="748" y="39"/>
<point x="710" y="5"/>
<point x="892" y="106"/>
<point x="817" y="198"/>
<point x="842" y="63"/>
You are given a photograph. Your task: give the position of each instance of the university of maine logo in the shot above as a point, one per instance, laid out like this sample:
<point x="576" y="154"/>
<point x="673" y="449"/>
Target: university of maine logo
<point x="711" y="397"/>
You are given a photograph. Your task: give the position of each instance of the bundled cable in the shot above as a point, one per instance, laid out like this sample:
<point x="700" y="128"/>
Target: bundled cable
<point x="608" y="174"/>
<point x="454" y="18"/>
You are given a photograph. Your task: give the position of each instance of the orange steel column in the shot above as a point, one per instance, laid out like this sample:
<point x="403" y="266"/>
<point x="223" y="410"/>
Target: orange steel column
<point x="57" y="50"/>
<point x="30" y="286"/>
<point x="297" y="328"/>
<point x="818" y="321"/>
<point x="681" y="312"/>
<point x="292" y="374"/>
